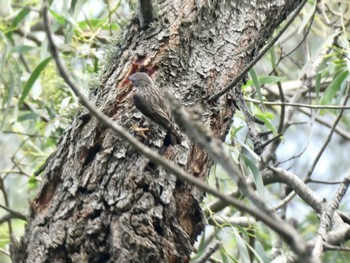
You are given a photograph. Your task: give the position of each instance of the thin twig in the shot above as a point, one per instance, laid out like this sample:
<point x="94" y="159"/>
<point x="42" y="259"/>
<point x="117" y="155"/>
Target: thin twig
<point x="300" y="105"/>
<point x="5" y="252"/>
<point x="329" y="137"/>
<point x="29" y="36"/>
<point x="323" y="182"/>
<point x="303" y="39"/>
<point x="209" y="252"/>
<point x="282" y="124"/>
<point x="6" y="201"/>
<point x="271" y="151"/>
<point x="16" y="213"/>
<point x="11" y="172"/>
<point x="336" y="248"/>
<point x="341" y="132"/>
<point x="285" y="200"/>
<point x="242" y="221"/>
<point x="18" y="165"/>
<point x="8" y="217"/>
<point x="29" y="135"/>
<point x="217" y="205"/>
<point x="283" y="108"/>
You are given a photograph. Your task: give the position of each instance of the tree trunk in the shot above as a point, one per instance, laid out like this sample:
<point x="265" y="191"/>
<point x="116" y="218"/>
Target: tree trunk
<point x="100" y="200"/>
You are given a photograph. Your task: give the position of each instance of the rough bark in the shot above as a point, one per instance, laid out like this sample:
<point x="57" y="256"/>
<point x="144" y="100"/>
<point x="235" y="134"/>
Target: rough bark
<point x="100" y="200"/>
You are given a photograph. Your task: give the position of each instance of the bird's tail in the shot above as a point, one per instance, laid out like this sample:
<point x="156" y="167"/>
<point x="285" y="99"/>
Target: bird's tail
<point x="172" y="137"/>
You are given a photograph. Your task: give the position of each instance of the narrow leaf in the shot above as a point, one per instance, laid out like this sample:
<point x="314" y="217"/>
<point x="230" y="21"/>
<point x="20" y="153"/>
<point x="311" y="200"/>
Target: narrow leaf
<point x="334" y="87"/>
<point x="260" y="253"/>
<point x="256" y="84"/>
<point x="58" y="17"/>
<point x="242" y="248"/>
<point x="257" y="178"/>
<point x="307" y="19"/>
<point x="318" y="84"/>
<point x="22" y="49"/>
<point x="271" y="79"/>
<point x="21" y="15"/>
<point x="33" y="78"/>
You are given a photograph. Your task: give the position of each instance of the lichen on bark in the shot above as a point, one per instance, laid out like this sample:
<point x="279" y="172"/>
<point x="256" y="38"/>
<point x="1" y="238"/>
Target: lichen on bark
<point x="100" y="200"/>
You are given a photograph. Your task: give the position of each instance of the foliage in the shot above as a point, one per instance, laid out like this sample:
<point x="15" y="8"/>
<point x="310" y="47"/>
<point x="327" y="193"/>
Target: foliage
<point x="314" y="51"/>
<point x="36" y="107"/>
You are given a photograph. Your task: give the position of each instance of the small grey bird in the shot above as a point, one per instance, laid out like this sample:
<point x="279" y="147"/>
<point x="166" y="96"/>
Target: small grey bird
<point x="149" y="100"/>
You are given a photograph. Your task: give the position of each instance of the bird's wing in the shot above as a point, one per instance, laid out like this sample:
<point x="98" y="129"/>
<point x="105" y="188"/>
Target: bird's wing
<point x="155" y="109"/>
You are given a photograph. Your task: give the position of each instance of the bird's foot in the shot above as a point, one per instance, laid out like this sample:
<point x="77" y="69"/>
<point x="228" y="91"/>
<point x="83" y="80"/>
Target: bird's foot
<point x="140" y="131"/>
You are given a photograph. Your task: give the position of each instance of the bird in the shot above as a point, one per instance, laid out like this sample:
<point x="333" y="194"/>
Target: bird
<point x="149" y="100"/>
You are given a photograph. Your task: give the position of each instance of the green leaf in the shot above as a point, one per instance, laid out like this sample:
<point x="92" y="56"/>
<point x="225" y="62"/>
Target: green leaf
<point x="273" y="59"/>
<point x="242" y="248"/>
<point x="60" y="19"/>
<point x="112" y="26"/>
<point x="33" y="78"/>
<point x="256" y="84"/>
<point x="266" y="117"/>
<point x="21" y="15"/>
<point x="271" y="79"/>
<point x="9" y="91"/>
<point x="266" y="80"/>
<point x="27" y="116"/>
<point x="77" y="8"/>
<point x="201" y="247"/>
<point x="260" y="253"/>
<point x="223" y="256"/>
<point x="92" y="23"/>
<point x="33" y="183"/>
<point x="257" y="177"/>
<point x="22" y="49"/>
<point x="234" y="130"/>
<point x="334" y="86"/>
<point x="318" y="84"/>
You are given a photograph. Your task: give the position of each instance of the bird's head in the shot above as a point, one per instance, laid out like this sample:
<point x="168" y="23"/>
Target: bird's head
<point x="140" y="79"/>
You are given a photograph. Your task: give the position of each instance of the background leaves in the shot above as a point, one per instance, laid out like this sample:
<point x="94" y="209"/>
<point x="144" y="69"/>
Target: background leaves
<point x="310" y="63"/>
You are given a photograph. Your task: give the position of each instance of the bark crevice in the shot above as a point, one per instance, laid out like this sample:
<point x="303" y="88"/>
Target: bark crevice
<point x="100" y="200"/>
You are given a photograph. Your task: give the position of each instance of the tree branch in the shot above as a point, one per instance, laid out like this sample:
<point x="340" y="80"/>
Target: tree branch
<point x="300" y="188"/>
<point x="327" y="216"/>
<point x="209" y="252"/>
<point x="283" y="229"/>
<point x="14" y="213"/>
<point x="197" y="133"/>
<point x="301" y="105"/>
